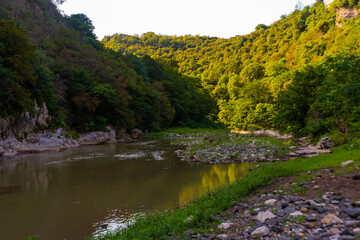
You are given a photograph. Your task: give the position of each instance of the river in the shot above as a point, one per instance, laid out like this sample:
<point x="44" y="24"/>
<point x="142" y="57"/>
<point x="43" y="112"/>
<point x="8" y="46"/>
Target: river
<point x="71" y="194"/>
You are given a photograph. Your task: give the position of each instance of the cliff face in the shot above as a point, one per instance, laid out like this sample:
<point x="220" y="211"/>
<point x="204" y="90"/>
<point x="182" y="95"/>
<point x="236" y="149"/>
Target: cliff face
<point x="27" y="123"/>
<point x="27" y="135"/>
<point x="343" y="14"/>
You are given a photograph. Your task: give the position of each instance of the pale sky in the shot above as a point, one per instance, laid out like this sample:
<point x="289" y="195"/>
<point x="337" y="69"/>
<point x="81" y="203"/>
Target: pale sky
<point x="219" y="18"/>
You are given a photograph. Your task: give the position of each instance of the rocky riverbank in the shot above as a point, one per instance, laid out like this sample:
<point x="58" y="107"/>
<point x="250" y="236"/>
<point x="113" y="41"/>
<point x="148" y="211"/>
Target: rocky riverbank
<point x="328" y="207"/>
<point x="27" y="135"/>
<point x="60" y="140"/>
<point x="264" y="146"/>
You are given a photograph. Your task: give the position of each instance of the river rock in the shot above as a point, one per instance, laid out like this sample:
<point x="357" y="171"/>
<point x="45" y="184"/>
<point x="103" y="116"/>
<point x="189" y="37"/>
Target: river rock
<point x="94" y="138"/>
<point x="297" y="213"/>
<point x="263" y="216"/>
<point x="325" y="143"/>
<point x="261" y="232"/>
<point x="335" y="231"/>
<point x="270" y="201"/>
<point x="347" y="163"/>
<point x="136" y="133"/>
<point x="225" y="225"/>
<point x="353" y="212"/>
<point x="331" y="218"/>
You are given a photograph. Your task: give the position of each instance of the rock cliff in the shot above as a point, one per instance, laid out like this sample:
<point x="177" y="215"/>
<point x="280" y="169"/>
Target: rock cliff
<point x="25" y="135"/>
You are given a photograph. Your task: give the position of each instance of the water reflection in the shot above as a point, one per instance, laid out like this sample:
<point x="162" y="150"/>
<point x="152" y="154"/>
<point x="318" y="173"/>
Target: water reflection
<point x="213" y="177"/>
<point x="69" y="194"/>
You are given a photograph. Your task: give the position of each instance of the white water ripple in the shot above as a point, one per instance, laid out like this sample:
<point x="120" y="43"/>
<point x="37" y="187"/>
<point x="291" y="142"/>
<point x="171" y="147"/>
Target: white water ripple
<point x="132" y="155"/>
<point x="158" y="155"/>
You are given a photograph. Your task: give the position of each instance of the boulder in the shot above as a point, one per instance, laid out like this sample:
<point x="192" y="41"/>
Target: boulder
<point x="325" y="143"/>
<point x="136" y="133"/>
<point x="94" y="138"/>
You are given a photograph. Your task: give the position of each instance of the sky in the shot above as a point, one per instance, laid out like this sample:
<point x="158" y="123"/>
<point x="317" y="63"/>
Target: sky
<point x="215" y="18"/>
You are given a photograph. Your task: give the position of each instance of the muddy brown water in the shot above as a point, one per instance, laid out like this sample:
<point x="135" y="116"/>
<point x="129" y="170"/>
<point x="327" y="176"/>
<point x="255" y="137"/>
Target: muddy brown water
<point x="71" y="194"/>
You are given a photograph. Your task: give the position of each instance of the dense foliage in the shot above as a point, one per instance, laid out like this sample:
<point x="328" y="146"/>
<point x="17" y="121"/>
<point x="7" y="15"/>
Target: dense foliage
<point x="256" y="77"/>
<point x="86" y="86"/>
<point x="299" y="74"/>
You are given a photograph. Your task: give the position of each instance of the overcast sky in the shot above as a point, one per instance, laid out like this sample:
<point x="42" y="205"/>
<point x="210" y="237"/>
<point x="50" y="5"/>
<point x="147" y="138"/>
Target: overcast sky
<point x="220" y="18"/>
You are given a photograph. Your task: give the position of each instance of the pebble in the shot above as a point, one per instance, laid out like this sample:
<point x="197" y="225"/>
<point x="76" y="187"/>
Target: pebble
<point x="270" y="201"/>
<point x="353" y="212"/>
<point x="350" y="223"/>
<point x="225" y="225"/>
<point x="287" y="217"/>
<point x="297" y="213"/>
<point x="335" y="231"/>
<point x="222" y="236"/>
<point x="331" y="218"/>
<point x="335" y="237"/>
<point x="347" y="237"/>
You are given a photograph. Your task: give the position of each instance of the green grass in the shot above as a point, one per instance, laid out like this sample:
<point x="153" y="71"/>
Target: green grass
<point x="185" y="132"/>
<point x="173" y="224"/>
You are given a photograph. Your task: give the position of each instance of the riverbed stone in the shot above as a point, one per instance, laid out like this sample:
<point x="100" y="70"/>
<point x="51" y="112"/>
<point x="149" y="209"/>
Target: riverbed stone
<point x="353" y="212"/>
<point x="331" y="218"/>
<point x="263" y="216"/>
<point x="261" y="232"/>
<point x="335" y="231"/>
<point x="225" y="225"/>
<point x="297" y="213"/>
<point x="270" y="201"/>
<point x="347" y="237"/>
<point x="347" y="163"/>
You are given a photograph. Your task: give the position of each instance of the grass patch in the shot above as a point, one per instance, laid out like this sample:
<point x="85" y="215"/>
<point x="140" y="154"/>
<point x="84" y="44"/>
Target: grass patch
<point x="182" y="132"/>
<point x="199" y="214"/>
<point x="233" y="147"/>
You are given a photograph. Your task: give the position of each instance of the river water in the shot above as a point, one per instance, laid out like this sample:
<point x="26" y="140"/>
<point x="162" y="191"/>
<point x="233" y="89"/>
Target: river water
<point x="71" y="194"/>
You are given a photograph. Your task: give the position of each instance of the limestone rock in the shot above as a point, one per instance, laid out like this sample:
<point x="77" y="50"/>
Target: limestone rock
<point x="345" y="14"/>
<point x="94" y="138"/>
<point x="347" y="163"/>
<point x="331" y="218"/>
<point x="136" y="133"/>
<point x="263" y="216"/>
<point x="270" y="201"/>
<point x="297" y="213"/>
<point x="325" y="143"/>
<point x="225" y="225"/>
<point x="261" y="232"/>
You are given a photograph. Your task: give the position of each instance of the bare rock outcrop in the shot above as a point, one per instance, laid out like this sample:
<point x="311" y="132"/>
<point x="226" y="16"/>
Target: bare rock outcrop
<point x="343" y="14"/>
<point x="25" y="135"/>
<point x="94" y="138"/>
<point x="325" y="143"/>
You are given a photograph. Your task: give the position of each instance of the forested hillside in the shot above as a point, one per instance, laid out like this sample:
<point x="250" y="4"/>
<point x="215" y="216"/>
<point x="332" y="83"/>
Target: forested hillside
<point x="299" y="75"/>
<point x="56" y="59"/>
